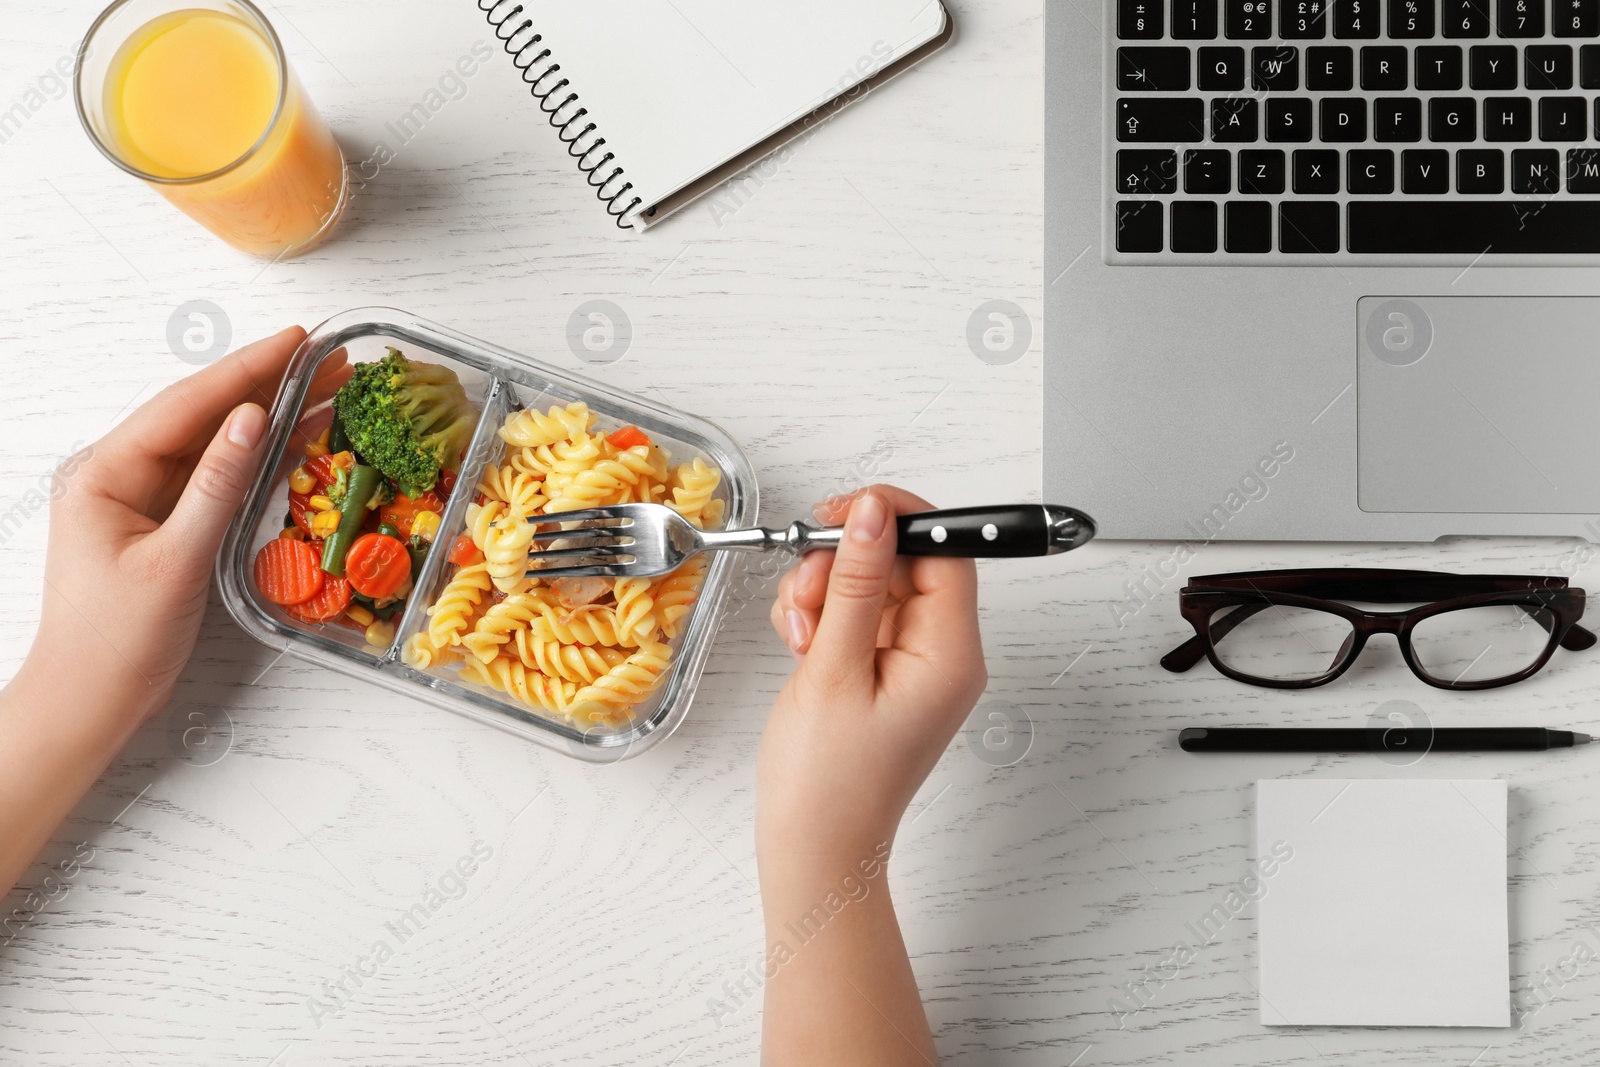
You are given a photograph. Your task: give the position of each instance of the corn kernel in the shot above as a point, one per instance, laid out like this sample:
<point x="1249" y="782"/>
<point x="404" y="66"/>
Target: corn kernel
<point x="324" y="523"/>
<point x="425" y="525"/>
<point x="315" y="449"/>
<point x="320" y="503"/>
<point x="293" y="533"/>
<point x="345" y="459"/>
<point x="380" y="633"/>
<point x="359" y="615"/>
<point x="302" y="480"/>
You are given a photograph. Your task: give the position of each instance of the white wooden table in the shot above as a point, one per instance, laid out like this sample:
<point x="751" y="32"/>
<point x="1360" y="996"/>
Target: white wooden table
<point x="821" y="319"/>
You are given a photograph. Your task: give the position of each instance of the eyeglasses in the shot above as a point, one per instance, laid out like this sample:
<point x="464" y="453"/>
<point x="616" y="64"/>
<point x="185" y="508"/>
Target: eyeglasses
<point x="1298" y="629"/>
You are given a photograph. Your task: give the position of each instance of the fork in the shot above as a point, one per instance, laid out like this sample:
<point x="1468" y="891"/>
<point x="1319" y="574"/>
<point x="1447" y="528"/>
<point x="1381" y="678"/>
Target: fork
<point x="644" y="540"/>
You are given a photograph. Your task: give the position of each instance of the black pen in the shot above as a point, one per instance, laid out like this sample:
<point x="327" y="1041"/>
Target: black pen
<point x="1374" y="739"/>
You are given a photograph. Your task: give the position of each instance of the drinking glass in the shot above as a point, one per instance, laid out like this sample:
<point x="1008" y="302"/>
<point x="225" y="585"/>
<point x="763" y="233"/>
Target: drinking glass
<point x="197" y="100"/>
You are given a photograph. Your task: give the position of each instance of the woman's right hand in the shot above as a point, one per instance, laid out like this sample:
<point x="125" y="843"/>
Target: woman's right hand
<point x="890" y="663"/>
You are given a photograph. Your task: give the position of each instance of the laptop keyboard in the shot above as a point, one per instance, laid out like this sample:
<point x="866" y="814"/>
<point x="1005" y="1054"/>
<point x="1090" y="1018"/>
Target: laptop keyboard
<point x="1366" y="128"/>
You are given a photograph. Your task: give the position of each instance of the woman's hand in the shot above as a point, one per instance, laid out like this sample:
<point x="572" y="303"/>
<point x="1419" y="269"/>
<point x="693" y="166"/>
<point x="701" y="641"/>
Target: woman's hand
<point x="890" y="664"/>
<point x="136" y="522"/>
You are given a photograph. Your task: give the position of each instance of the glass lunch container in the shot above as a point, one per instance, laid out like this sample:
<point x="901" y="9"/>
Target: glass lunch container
<point x="498" y="381"/>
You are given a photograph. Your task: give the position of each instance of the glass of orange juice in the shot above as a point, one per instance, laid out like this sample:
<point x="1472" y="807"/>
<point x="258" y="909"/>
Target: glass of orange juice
<point x="196" y="99"/>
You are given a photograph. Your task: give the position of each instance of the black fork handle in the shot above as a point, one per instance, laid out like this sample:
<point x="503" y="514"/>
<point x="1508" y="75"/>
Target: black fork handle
<point x="1004" y="531"/>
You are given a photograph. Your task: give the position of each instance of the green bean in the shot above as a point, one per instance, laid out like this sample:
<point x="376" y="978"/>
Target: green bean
<point x="364" y="481"/>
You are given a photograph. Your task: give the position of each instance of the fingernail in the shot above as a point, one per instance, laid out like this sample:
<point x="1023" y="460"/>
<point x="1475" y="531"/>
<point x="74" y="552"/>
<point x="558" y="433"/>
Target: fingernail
<point x="868" y="517"/>
<point x="797" y="630"/>
<point x="824" y="510"/>
<point x="247" y="425"/>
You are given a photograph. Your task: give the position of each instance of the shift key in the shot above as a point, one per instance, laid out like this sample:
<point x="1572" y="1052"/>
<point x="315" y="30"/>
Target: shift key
<point x="1178" y="120"/>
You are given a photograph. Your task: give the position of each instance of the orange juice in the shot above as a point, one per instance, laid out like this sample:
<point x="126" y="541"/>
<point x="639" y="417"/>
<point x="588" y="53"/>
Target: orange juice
<point x="200" y="104"/>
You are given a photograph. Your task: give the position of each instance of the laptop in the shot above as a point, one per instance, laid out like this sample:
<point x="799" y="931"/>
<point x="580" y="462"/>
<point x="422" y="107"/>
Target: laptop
<point x="1323" y="270"/>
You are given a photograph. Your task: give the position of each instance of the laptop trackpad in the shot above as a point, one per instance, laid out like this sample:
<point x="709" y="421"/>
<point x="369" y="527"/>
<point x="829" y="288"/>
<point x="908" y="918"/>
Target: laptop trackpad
<point x="1478" y="404"/>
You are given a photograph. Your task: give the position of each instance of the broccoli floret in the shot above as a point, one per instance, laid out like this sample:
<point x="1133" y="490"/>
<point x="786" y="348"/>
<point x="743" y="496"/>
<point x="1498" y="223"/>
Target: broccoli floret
<point x="410" y="420"/>
<point x="340" y="487"/>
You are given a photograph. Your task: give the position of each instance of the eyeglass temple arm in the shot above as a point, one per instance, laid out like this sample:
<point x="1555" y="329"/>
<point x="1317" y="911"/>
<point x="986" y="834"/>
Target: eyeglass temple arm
<point x="1576" y="639"/>
<point x="1192" y="651"/>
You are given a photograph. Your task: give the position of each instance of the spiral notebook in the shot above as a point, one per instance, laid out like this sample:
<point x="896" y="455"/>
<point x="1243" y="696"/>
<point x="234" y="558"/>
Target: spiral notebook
<point x="659" y="101"/>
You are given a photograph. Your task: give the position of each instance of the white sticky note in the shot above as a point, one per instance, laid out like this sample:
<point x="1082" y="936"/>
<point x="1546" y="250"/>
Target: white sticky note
<point x="1388" y="904"/>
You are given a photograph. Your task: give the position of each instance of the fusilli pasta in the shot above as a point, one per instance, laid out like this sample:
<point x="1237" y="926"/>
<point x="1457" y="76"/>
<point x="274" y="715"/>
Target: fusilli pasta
<point x="571" y="648"/>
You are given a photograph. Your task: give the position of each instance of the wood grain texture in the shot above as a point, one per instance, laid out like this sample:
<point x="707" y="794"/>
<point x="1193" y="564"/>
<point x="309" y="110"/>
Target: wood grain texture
<point x="822" y="317"/>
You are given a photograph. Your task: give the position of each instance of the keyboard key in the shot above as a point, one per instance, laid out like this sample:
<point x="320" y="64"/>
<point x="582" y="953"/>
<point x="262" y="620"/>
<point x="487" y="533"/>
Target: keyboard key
<point x="1397" y="118"/>
<point x="1159" y="70"/>
<point x="1563" y="118"/>
<point x="1383" y="68"/>
<point x="1589" y="66"/>
<point x="1244" y="20"/>
<point x="1247" y="226"/>
<point x="1302" y="19"/>
<point x="1411" y="19"/>
<point x="1308" y="226"/>
<point x="1289" y="120"/>
<point x="1535" y="170"/>
<point x="1424" y="170"/>
<point x="1235" y="119"/>
<point x="1475" y="227"/>
<point x="1194" y="226"/>
<point x="1344" y="120"/>
<point x="1466" y="18"/>
<point x="1575" y="18"/>
<point x="1583" y="170"/>
<point x="1146" y="170"/>
<point x="1196" y="20"/>
<point x="1452" y="118"/>
<point x="1520" y="18"/>
<point x="1547" y="66"/>
<point x="1261" y="171"/>
<point x="1480" y="171"/>
<point x="1220" y="68"/>
<point x="1153" y="119"/>
<point x="1471" y="227"/>
<point x="1371" y="171"/>
<point x="1355" y="18"/>
<point x="1139" y="20"/>
<point x="1494" y="66"/>
<point x="1507" y="118"/>
<point x="1275" y="68"/>
<point x="1439" y="66"/>
<point x="1139" y="226"/>
<point x="1316" y="171"/>
<point x="1329" y="67"/>
<point x="1208" y="170"/>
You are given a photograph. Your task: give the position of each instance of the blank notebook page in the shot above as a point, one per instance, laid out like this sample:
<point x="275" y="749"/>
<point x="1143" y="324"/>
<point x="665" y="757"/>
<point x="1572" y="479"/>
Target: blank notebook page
<point x="678" y="87"/>
<point x="1390" y="910"/>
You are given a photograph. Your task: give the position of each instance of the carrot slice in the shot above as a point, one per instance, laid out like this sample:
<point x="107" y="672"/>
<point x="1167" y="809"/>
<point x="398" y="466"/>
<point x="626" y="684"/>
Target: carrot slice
<point x="327" y="604"/>
<point x="377" y="565"/>
<point x="288" y="572"/>
<point x="400" y="513"/>
<point x="299" y="506"/>
<point x="321" y="468"/>
<point x="464" y="553"/>
<point x="629" y="437"/>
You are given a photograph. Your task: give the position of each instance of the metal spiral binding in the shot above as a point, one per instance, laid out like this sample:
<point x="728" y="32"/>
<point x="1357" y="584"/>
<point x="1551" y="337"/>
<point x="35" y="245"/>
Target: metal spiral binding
<point x="542" y="73"/>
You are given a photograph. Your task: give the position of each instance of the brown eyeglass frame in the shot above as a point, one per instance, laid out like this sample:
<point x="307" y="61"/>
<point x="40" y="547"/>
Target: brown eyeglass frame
<point x="1324" y="588"/>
